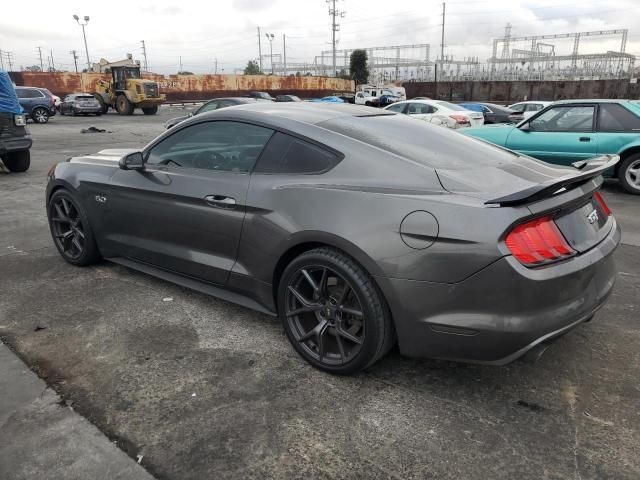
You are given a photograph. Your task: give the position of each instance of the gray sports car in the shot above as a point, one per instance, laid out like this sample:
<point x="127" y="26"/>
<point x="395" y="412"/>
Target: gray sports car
<point x="360" y="228"/>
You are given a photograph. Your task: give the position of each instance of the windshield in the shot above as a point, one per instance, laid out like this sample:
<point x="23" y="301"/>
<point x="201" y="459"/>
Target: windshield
<point x="451" y="106"/>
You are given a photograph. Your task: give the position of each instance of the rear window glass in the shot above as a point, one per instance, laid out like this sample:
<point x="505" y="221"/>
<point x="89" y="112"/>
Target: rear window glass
<point x="429" y="145"/>
<point x="85" y="97"/>
<point x="616" y="118"/>
<point x="289" y="155"/>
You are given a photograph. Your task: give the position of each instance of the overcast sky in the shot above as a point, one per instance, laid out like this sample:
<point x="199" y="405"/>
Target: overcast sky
<point x="200" y="32"/>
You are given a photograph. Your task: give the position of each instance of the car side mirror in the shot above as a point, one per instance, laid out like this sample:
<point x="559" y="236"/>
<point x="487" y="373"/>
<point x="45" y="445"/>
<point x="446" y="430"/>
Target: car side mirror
<point x="190" y="114"/>
<point x="132" y="161"/>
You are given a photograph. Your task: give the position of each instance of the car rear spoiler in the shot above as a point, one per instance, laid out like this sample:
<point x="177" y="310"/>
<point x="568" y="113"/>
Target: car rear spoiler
<point x="587" y="170"/>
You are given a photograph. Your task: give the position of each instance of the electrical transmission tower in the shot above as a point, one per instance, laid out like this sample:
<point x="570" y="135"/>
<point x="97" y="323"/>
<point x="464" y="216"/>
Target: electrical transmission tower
<point x="144" y="54"/>
<point x="335" y="27"/>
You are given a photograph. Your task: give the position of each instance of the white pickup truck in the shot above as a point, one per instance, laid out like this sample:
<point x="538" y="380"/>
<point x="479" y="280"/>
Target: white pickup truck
<point x="370" y="95"/>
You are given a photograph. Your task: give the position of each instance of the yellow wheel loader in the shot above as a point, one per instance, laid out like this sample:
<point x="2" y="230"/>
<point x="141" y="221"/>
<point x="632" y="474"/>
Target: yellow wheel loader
<point x="128" y="91"/>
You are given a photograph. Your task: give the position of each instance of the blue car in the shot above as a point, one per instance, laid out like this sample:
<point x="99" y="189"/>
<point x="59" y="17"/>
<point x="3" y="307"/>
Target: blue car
<point x="574" y="130"/>
<point x="329" y="99"/>
<point x="15" y="140"/>
<point x="38" y="103"/>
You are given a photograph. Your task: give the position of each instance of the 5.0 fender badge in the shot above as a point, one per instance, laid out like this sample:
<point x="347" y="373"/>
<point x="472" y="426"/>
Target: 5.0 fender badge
<point x="101" y="199"/>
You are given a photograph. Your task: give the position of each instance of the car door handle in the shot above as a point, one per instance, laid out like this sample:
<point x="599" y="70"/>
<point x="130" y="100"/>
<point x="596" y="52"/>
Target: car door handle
<point x="585" y="139"/>
<point x="220" y="201"/>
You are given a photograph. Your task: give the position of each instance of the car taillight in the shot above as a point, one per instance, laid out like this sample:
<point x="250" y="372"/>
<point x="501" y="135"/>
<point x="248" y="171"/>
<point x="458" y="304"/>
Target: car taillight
<point x="538" y="242"/>
<point x="460" y="118"/>
<point x="600" y="199"/>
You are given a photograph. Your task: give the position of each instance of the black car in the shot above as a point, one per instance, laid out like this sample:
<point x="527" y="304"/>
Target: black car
<point x="38" y="103"/>
<point x="359" y="227"/>
<point x="492" y="113"/>
<point x="287" y="98"/>
<point x="215" y="104"/>
<point x="261" y="96"/>
<point x="15" y="140"/>
<point x="80" y="104"/>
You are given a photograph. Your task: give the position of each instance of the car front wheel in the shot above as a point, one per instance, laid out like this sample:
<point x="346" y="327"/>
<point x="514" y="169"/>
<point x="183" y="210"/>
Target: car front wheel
<point x="629" y="174"/>
<point x="333" y="313"/>
<point x="70" y="229"/>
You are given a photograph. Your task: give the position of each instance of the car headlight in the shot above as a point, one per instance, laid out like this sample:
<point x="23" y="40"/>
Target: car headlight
<point x="19" y="120"/>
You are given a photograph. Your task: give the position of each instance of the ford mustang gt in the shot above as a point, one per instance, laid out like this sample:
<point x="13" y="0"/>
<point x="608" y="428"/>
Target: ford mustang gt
<point x="360" y="228"/>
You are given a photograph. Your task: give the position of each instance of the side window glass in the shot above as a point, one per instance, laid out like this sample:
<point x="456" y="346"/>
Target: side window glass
<point x="518" y="108"/>
<point x="616" y="118"/>
<point x="564" y="119"/>
<point x="396" y="108"/>
<point x="219" y="146"/>
<point x="289" y="155"/>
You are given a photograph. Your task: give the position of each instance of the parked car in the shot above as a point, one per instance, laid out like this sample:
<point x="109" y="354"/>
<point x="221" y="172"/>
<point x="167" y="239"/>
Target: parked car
<point x="38" y="103"/>
<point x="215" y="104"/>
<point x="438" y="111"/>
<point x="524" y="110"/>
<point x="57" y="102"/>
<point x="80" y="104"/>
<point x="492" y="113"/>
<point x="372" y="96"/>
<point x="287" y="98"/>
<point x="329" y="99"/>
<point x="358" y="227"/>
<point x="261" y="96"/>
<point x="573" y="130"/>
<point x="15" y="140"/>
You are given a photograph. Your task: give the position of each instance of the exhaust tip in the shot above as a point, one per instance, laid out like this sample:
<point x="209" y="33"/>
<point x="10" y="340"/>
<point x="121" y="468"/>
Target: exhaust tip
<point x="534" y="354"/>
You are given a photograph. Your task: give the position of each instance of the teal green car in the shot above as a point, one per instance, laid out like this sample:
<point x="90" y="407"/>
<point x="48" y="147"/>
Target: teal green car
<point x="573" y="130"/>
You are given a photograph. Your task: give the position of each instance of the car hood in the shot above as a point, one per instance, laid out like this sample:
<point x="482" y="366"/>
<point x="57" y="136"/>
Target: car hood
<point x="109" y="156"/>
<point x="496" y="134"/>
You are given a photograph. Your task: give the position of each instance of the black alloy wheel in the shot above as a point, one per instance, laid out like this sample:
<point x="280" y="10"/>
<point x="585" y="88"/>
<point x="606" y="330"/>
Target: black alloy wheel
<point x="332" y="312"/>
<point x="70" y="230"/>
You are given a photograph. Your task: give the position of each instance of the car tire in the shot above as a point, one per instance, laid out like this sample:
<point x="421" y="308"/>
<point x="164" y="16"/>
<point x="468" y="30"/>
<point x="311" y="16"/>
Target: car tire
<point x="40" y="115"/>
<point x="629" y="174"/>
<point x="61" y="111"/>
<point x="123" y="105"/>
<point x="74" y="112"/>
<point x="103" y="105"/>
<point x="66" y="217"/>
<point x="17" y="161"/>
<point x="349" y="325"/>
<point x="150" y="110"/>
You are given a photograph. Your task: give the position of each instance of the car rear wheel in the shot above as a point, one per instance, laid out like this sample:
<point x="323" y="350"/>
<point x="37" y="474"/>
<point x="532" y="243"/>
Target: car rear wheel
<point x="629" y="174"/>
<point x="123" y="105"/>
<point x="103" y="105"/>
<point x="17" y="161"/>
<point x="40" y="115"/>
<point x="333" y="313"/>
<point x="70" y="229"/>
<point x="150" y="110"/>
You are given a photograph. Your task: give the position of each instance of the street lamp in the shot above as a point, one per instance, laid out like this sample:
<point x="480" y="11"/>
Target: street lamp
<point x="270" y="37"/>
<point x="86" y="49"/>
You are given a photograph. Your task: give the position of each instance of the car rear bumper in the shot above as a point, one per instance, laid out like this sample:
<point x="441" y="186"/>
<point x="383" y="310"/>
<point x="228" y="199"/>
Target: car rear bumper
<point x="15" y="144"/>
<point x="502" y="311"/>
<point x="95" y="109"/>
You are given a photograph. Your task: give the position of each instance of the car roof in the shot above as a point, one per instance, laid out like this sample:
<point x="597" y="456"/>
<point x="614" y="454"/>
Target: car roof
<point x="532" y="101"/>
<point x="592" y="100"/>
<point x="305" y="112"/>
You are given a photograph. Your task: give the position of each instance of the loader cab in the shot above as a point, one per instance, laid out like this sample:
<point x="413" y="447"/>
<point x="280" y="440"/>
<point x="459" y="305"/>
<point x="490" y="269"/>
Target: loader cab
<point x="122" y="74"/>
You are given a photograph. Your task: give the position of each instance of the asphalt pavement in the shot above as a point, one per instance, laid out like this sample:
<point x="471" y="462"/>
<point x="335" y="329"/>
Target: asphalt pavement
<point x="200" y="388"/>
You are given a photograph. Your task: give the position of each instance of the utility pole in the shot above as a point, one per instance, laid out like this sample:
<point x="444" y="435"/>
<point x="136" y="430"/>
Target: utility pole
<point x="284" y="52"/>
<point x="53" y="65"/>
<point x="441" y="50"/>
<point x="84" y="35"/>
<point x="270" y="37"/>
<point x="260" y="49"/>
<point x="180" y="64"/>
<point x="75" y="59"/>
<point x="144" y="54"/>
<point x="335" y="27"/>
<point x="215" y="68"/>
<point x="41" y="64"/>
<point x="8" y="54"/>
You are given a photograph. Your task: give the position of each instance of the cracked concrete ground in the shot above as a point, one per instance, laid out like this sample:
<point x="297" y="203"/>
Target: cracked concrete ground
<point x="206" y="389"/>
